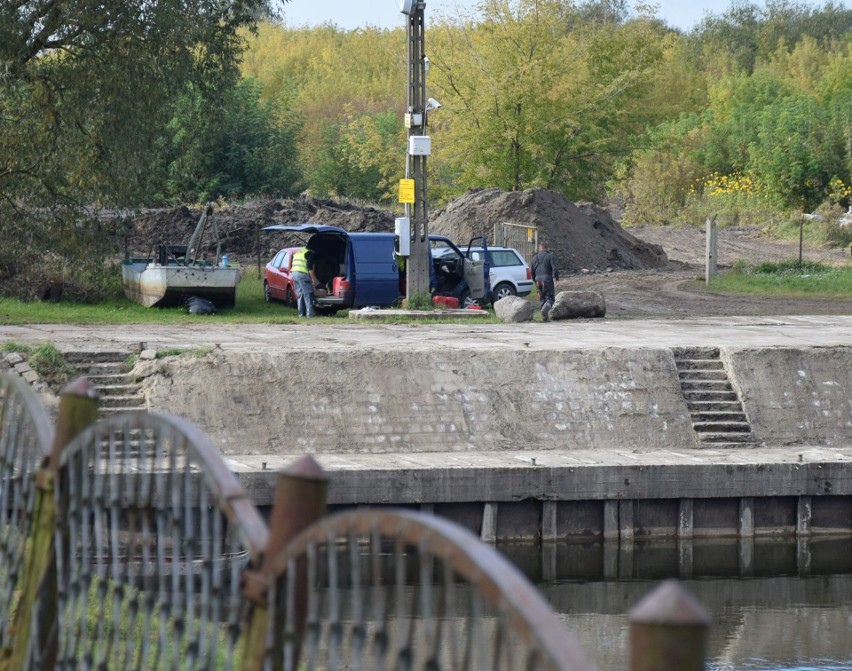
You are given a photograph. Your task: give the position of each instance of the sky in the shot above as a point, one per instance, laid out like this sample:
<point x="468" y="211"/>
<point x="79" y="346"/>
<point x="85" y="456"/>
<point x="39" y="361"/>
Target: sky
<point x="350" y="14"/>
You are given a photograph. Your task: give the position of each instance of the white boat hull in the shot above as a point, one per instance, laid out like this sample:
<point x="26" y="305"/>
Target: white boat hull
<point x="154" y="285"/>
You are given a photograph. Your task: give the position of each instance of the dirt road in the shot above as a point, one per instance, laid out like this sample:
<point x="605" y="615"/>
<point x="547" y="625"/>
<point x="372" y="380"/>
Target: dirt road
<point x="680" y="292"/>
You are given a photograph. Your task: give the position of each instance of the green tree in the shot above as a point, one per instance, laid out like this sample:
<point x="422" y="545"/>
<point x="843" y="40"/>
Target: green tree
<point x="531" y="102"/>
<point x="246" y="146"/>
<point x="86" y="91"/>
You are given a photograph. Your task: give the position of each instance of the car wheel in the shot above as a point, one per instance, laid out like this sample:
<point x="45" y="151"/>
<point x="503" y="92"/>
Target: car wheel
<point x="465" y="301"/>
<point x="503" y="290"/>
<point x="291" y="299"/>
<point x="267" y="296"/>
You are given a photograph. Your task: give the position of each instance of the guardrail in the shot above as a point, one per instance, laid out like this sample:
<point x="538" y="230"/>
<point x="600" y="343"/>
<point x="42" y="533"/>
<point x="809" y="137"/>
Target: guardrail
<point x="128" y="543"/>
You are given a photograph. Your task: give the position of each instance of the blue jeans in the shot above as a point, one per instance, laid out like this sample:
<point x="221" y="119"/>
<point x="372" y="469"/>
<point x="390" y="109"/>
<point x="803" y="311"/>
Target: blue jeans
<point x="305" y="294"/>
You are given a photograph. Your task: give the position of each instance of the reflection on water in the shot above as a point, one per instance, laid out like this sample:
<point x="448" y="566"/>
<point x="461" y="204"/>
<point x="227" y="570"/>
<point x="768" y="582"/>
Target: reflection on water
<point x="774" y="605"/>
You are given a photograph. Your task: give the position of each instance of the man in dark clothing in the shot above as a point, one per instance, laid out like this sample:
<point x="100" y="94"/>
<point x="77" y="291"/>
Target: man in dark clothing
<point x="545" y="274"/>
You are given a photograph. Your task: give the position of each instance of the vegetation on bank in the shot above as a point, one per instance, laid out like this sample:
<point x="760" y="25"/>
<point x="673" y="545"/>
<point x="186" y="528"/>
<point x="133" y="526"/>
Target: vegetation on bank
<point x="45" y="359"/>
<point x="748" y="117"/>
<point x="786" y="278"/>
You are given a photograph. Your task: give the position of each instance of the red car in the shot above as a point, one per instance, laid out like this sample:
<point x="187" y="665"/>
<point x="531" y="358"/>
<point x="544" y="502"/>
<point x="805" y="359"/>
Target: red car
<point x="277" y="279"/>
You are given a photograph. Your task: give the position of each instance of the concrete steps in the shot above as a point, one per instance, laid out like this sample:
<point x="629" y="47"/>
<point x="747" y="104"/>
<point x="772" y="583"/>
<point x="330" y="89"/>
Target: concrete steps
<point x="717" y="412"/>
<point x="109" y="373"/>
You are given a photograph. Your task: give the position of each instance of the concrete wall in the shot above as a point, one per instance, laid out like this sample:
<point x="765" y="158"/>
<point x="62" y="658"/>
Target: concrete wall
<point x="371" y="401"/>
<point x="795" y="396"/>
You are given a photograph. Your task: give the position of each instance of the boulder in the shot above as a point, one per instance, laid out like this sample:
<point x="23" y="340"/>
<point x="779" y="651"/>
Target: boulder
<point x="514" y="309"/>
<point x="577" y="305"/>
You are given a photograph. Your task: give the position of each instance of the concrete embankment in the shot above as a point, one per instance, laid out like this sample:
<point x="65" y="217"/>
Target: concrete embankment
<point x="374" y="402"/>
<point x="549" y="444"/>
<point x="607" y="428"/>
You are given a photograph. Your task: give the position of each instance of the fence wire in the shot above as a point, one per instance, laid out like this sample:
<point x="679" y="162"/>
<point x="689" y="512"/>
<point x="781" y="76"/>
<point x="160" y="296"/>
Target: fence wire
<point x="155" y="534"/>
<point x="26" y="437"/>
<point x="402" y="590"/>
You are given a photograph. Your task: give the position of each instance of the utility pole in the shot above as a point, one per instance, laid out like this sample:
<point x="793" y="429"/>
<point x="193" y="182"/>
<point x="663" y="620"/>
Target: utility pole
<point x="419" y="148"/>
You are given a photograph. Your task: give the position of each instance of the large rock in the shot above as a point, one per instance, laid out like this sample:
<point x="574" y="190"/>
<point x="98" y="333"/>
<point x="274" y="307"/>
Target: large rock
<point x="577" y="305"/>
<point x="514" y="309"/>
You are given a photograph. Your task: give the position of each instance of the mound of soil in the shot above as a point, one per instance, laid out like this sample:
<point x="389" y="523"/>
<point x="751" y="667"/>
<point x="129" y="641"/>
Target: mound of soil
<point x="240" y="226"/>
<point x="583" y="237"/>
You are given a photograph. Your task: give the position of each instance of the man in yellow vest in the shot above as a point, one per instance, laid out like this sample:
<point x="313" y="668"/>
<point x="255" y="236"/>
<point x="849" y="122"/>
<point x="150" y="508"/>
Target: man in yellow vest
<point x="304" y="278"/>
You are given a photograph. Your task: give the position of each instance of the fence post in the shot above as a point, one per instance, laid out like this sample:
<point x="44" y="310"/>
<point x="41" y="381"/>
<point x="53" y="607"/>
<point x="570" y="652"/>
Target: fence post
<point x="78" y="408"/>
<point x="300" y="500"/>
<point x="668" y="631"/>
<point x="710" y="258"/>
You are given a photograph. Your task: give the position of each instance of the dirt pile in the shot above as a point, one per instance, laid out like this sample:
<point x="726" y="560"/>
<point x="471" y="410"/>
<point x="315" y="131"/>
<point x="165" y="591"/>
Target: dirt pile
<point x="583" y="237"/>
<point x="240" y="226"/>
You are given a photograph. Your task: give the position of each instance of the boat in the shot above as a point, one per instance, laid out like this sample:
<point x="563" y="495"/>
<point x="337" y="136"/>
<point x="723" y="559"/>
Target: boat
<point x="175" y="273"/>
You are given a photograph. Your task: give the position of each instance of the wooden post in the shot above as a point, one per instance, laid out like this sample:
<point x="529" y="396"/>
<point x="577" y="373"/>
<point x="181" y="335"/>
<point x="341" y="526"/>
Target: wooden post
<point x="668" y="631"/>
<point x="710" y="252"/>
<point x="300" y="500"/>
<point x="78" y="408"/>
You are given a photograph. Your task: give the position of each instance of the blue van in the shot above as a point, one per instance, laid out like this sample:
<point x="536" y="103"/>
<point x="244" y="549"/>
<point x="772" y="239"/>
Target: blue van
<point x="360" y="269"/>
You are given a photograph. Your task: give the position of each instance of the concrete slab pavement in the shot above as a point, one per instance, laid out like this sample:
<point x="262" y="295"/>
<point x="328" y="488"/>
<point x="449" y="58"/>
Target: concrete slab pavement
<point x="769" y="331"/>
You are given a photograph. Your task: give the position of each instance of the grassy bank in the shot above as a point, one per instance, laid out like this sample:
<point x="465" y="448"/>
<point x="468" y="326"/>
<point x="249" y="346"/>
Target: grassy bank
<point x="786" y="278"/>
<point x="250" y="308"/>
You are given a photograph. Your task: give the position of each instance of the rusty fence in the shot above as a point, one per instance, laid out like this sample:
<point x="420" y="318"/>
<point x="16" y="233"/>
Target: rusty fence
<point x="127" y="543"/>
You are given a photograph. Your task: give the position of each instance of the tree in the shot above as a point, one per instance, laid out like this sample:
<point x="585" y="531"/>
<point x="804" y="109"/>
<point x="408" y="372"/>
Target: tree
<point x="534" y="98"/>
<point x="86" y="91"/>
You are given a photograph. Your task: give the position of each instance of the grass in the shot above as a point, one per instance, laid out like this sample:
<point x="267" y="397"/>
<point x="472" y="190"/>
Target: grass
<point x="197" y="352"/>
<point x="250" y="308"/>
<point x="786" y="278"/>
<point x="45" y="359"/>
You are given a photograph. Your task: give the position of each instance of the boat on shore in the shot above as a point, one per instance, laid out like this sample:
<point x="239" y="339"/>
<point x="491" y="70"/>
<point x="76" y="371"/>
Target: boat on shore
<point x="176" y="273"/>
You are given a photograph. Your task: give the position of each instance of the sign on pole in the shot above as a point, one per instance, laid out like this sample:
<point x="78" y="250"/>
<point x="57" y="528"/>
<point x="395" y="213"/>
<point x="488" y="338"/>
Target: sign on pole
<point x="406" y="191"/>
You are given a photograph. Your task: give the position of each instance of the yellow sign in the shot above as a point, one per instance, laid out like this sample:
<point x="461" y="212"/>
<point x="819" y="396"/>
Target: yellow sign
<point x="406" y="191"/>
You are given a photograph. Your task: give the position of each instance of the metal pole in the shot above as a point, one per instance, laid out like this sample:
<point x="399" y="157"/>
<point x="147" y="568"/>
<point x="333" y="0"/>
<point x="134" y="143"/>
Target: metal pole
<point x="801" y="237"/>
<point x="417" y="269"/>
<point x="668" y="631"/>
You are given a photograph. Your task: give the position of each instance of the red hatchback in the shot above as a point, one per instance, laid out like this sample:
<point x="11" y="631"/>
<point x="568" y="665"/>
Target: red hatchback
<point x="277" y="279"/>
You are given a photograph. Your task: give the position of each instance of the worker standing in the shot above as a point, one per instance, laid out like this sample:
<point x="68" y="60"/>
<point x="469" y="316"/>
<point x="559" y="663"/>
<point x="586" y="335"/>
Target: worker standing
<point x="304" y="277"/>
<point x="545" y="274"/>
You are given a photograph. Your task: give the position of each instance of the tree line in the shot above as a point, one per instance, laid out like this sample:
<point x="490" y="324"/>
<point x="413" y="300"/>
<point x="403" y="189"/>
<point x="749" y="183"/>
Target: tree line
<point x="156" y="102"/>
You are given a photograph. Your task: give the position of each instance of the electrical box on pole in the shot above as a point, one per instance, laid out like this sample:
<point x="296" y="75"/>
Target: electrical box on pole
<point x="419" y="148"/>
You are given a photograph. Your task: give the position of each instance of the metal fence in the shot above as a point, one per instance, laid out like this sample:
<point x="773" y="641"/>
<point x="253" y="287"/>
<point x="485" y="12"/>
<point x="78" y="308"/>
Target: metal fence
<point x="130" y="545"/>
<point x="520" y="236"/>
<point x="26" y="436"/>
<point x="156" y="532"/>
<point x="402" y="590"/>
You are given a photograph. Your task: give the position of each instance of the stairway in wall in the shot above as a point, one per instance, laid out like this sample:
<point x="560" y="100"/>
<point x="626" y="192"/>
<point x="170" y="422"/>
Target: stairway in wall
<point x="109" y="373"/>
<point x="717" y="412"/>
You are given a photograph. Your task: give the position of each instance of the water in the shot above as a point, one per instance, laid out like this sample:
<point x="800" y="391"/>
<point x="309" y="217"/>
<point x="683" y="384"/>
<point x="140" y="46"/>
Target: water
<point x="774" y="605"/>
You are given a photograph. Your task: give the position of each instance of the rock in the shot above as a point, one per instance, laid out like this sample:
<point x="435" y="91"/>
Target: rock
<point x="148" y="355"/>
<point x="514" y="309"/>
<point x="577" y="305"/>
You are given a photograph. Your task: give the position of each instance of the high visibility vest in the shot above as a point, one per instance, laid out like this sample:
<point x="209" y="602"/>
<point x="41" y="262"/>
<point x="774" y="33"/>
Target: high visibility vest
<point x="300" y="262"/>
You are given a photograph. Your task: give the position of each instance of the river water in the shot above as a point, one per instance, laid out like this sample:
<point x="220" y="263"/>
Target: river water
<point x="774" y="605"/>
